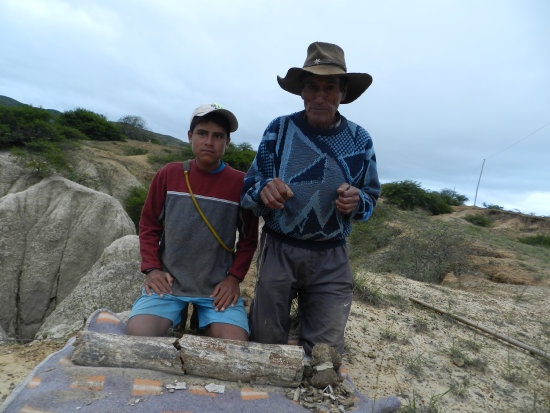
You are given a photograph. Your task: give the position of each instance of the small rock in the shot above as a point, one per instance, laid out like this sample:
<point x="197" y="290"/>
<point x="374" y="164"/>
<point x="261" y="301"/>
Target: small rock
<point x="371" y="355"/>
<point x="215" y="388"/>
<point x="324" y="378"/>
<point x="458" y="362"/>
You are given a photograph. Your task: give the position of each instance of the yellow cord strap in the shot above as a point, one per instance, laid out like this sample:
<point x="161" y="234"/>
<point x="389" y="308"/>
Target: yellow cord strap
<point x="225" y="247"/>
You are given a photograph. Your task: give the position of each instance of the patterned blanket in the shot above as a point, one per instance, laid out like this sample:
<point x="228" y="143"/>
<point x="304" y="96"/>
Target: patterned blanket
<point x="57" y="385"/>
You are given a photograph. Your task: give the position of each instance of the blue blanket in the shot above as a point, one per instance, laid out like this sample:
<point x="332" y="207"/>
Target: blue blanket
<point x="57" y="385"/>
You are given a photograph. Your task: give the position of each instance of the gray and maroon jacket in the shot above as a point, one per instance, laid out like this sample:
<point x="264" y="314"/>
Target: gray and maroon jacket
<point x="173" y="236"/>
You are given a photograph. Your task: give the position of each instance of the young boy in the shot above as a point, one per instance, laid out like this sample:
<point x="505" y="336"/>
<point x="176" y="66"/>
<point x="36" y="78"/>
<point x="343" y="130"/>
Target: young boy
<point x="182" y="258"/>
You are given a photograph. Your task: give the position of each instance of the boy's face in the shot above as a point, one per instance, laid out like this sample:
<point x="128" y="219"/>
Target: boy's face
<point x="208" y="141"/>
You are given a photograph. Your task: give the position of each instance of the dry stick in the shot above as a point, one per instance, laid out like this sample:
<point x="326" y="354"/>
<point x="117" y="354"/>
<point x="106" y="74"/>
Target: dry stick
<point x="532" y="350"/>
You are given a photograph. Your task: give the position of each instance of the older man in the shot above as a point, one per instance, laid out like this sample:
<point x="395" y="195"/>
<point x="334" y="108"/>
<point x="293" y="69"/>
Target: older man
<point x="315" y="171"/>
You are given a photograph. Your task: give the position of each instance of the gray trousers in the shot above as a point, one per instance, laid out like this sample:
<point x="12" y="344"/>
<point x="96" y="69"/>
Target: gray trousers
<point x="323" y="282"/>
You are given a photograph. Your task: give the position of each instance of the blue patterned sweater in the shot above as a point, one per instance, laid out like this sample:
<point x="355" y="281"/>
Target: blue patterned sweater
<point x="313" y="163"/>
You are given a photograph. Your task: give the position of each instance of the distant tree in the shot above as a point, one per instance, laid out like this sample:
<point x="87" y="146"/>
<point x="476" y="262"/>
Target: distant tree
<point x="21" y="125"/>
<point x="493" y="206"/>
<point x="410" y="195"/>
<point x="451" y="197"/>
<point x="95" y="126"/>
<point x="239" y="156"/>
<point x="404" y="194"/>
<point x="133" y="127"/>
<point x="435" y="203"/>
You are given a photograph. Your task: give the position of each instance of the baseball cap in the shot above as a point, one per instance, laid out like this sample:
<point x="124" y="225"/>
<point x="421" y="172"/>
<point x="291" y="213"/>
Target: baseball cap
<point x="214" y="107"/>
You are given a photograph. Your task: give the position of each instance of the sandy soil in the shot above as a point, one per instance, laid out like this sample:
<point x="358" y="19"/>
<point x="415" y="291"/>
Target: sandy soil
<point x="428" y="360"/>
<point x="18" y="360"/>
<point x="432" y="362"/>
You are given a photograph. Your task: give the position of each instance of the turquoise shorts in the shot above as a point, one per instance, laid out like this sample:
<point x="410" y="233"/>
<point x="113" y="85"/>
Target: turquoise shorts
<point x="170" y="307"/>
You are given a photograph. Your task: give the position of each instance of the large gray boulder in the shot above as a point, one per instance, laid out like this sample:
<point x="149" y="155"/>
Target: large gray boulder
<point x="13" y="177"/>
<point x="107" y="175"/>
<point x="113" y="282"/>
<point x="50" y="236"/>
<point x="3" y="336"/>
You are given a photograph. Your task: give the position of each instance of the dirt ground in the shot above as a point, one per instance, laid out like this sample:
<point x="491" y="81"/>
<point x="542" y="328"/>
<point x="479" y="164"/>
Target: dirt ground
<point x="436" y="364"/>
<point x="427" y="359"/>
<point x="18" y="360"/>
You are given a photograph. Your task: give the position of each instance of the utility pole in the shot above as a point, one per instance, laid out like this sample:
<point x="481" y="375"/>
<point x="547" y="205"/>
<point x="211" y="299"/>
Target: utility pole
<point x="479" y="180"/>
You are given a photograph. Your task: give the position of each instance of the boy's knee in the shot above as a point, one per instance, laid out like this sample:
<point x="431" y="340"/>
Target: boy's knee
<point x="147" y="325"/>
<point x="227" y="331"/>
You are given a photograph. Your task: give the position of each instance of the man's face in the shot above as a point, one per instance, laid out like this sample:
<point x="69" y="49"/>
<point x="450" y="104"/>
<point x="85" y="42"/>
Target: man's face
<point x="208" y="141"/>
<point x="321" y="96"/>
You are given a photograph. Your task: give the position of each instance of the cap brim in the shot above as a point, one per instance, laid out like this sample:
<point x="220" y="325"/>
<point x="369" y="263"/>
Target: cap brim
<point x="232" y="119"/>
<point x="357" y="82"/>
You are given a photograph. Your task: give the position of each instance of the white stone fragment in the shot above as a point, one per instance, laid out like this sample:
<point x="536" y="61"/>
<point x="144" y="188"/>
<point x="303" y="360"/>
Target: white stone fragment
<point x="215" y="388"/>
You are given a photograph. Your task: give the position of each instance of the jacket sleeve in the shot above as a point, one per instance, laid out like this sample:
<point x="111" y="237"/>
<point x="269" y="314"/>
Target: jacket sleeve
<point x="246" y="245"/>
<point x="151" y="223"/>
<point x="369" y="185"/>
<point x="261" y="172"/>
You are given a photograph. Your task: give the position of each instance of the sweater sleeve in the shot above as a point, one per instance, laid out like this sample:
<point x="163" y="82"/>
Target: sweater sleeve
<point x="369" y="185"/>
<point x="151" y="223"/>
<point x="246" y="245"/>
<point x="261" y="172"/>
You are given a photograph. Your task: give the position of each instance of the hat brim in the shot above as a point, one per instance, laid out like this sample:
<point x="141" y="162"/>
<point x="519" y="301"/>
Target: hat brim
<point x="232" y="119"/>
<point x="357" y="82"/>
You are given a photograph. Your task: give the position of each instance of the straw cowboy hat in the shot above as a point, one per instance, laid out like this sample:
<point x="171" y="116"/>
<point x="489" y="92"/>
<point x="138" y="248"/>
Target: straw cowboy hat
<point x="325" y="59"/>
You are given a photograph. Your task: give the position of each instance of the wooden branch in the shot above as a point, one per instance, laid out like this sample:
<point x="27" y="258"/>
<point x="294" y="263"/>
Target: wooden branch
<point x="510" y="340"/>
<point x="272" y="364"/>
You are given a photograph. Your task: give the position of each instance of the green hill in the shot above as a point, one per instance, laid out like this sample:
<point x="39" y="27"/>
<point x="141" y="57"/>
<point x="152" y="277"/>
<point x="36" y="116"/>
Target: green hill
<point x="7" y="101"/>
<point x="150" y="135"/>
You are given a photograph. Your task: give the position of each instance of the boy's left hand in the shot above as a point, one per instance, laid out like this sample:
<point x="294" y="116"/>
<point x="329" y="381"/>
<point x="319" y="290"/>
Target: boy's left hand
<point x="226" y="293"/>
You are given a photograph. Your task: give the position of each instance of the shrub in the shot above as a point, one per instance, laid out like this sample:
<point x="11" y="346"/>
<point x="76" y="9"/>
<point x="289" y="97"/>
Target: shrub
<point x="20" y="125"/>
<point x="133" y="127"/>
<point x="134" y="204"/>
<point x="71" y="134"/>
<point x="540" y="240"/>
<point x="451" y="197"/>
<point x="427" y="253"/>
<point x="43" y="158"/>
<point x="435" y="203"/>
<point x="404" y="194"/>
<point x="493" y="206"/>
<point x="132" y="151"/>
<point x="410" y="195"/>
<point x="479" y="220"/>
<point x="239" y="156"/>
<point x="93" y="125"/>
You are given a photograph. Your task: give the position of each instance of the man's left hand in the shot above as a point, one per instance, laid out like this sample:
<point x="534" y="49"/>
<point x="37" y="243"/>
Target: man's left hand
<point x="226" y="293"/>
<point x="348" y="198"/>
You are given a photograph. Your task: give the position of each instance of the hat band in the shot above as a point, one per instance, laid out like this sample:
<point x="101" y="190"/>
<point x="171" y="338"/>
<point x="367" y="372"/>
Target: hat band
<point x="318" y="62"/>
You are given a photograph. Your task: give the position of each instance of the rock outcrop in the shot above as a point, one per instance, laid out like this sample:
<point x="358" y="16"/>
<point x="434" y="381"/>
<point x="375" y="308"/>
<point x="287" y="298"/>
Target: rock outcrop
<point x="13" y="177"/>
<point x="51" y="234"/>
<point x="3" y="336"/>
<point x="113" y="282"/>
<point x="110" y="176"/>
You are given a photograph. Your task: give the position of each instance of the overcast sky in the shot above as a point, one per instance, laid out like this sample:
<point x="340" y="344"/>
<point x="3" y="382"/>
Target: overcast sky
<point x="455" y="82"/>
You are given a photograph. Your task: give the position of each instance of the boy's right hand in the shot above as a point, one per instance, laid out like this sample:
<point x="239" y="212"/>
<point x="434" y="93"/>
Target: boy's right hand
<point x="160" y="282"/>
<point x="275" y="194"/>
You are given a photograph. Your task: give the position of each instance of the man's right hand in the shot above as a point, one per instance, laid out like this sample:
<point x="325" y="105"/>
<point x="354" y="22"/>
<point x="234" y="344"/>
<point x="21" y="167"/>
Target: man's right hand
<point x="275" y="194"/>
<point x="160" y="282"/>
